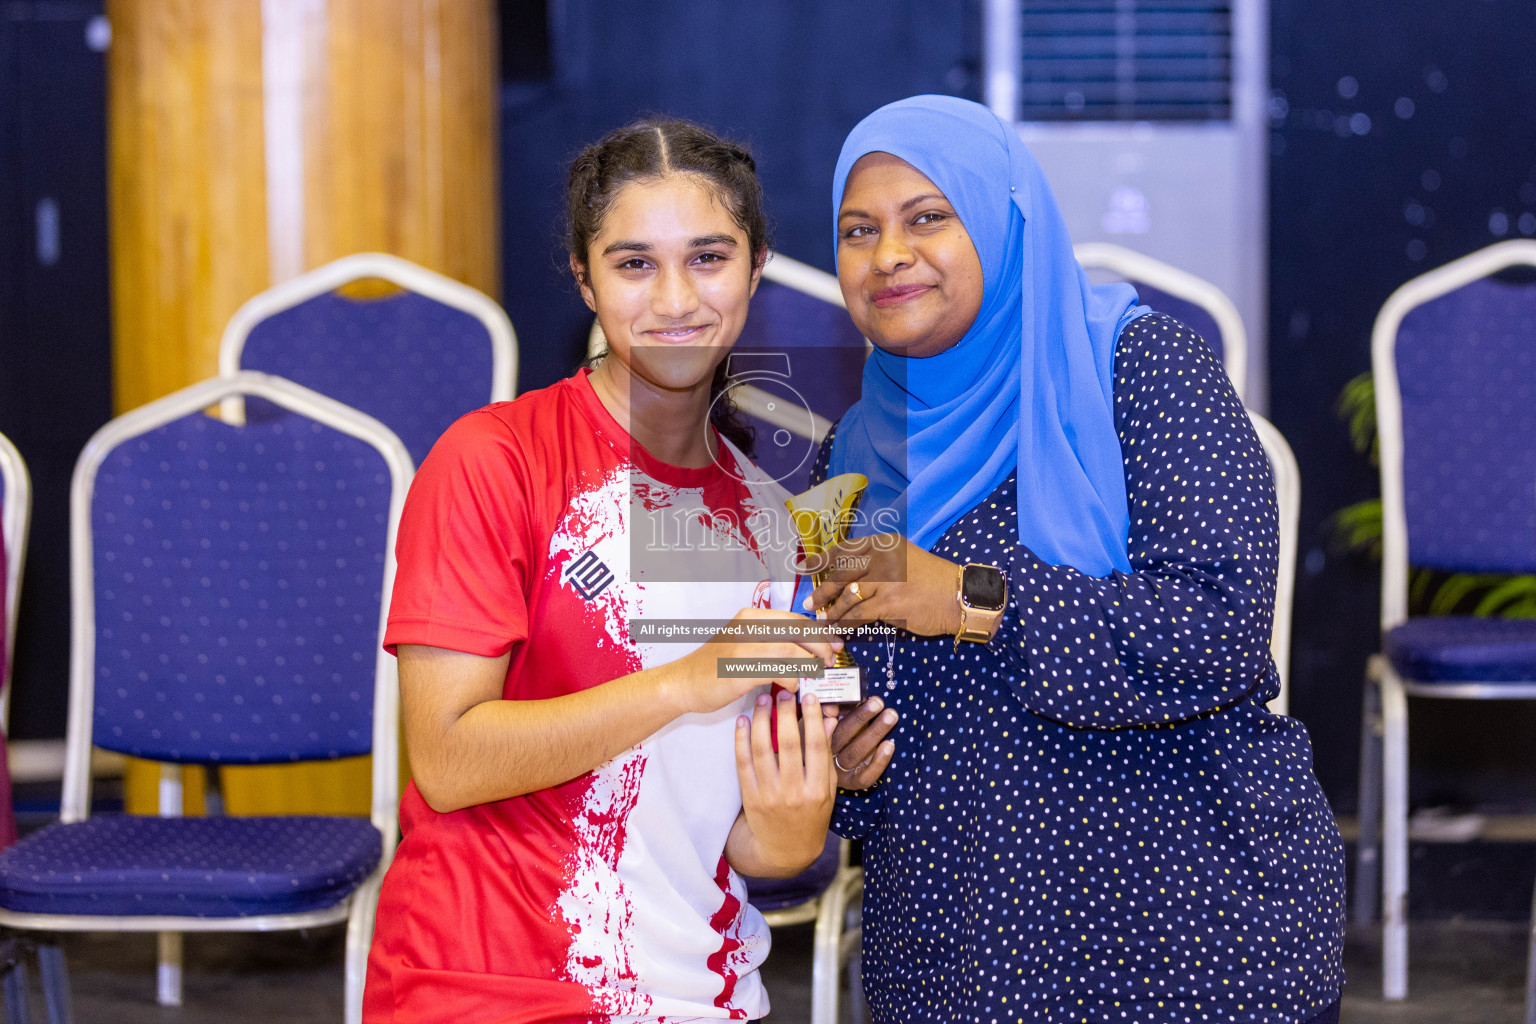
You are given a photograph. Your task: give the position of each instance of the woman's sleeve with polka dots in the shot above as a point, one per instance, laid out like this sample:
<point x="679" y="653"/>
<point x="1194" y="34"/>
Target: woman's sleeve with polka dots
<point x="858" y="813"/>
<point x="1187" y="631"/>
<point x="823" y="457"/>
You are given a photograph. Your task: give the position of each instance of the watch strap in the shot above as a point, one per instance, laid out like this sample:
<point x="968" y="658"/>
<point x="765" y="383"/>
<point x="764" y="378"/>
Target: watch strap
<point x="977" y="625"/>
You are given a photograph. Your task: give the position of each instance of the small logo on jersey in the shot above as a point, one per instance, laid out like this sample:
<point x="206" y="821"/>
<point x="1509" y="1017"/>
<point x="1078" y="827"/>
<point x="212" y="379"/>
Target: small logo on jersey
<point x="589" y="575"/>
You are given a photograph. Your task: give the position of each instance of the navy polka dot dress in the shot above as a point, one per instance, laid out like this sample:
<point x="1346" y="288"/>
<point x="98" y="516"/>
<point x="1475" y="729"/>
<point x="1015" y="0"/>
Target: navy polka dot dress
<point x="1093" y="817"/>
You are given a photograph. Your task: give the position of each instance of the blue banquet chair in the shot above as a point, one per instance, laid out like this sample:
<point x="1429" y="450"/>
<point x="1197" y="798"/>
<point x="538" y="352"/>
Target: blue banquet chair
<point x="228" y="591"/>
<point x="416" y="359"/>
<point x="1454" y="357"/>
<point x="1192" y="300"/>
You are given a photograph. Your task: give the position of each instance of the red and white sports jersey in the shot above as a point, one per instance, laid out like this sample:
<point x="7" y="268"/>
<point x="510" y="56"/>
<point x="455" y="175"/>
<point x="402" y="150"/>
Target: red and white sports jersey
<point x="607" y="898"/>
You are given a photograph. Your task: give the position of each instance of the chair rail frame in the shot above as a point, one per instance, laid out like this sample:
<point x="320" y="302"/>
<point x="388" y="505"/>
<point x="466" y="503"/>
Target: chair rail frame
<point x="14" y="530"/>
<point x="1282" y="462"/>
<point x="1184" y="285"/>
<point x="171" y="923"/>
<point x="396" y="271"/>
<point x="834" y="943"/>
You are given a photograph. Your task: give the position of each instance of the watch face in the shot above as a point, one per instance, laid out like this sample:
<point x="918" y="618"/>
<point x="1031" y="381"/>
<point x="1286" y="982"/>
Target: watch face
<point x="982" y="587"/>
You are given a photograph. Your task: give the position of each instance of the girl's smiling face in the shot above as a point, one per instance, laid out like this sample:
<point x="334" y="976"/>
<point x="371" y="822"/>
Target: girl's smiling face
<point x="669" y="275"/>
<point x="908" y="268"/>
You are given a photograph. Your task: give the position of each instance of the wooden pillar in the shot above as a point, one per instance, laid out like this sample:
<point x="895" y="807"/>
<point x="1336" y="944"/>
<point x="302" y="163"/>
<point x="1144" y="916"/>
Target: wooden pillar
<point x="251" y="140"/>
<point x="186" y="186"/>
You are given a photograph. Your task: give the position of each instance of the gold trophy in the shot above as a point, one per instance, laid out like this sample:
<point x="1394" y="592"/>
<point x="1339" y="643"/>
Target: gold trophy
<point x="823" y="517"/>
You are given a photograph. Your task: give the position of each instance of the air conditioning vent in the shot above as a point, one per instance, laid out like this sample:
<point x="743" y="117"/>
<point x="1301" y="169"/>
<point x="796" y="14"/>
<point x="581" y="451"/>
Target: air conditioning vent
<point x="1125" y="60"/>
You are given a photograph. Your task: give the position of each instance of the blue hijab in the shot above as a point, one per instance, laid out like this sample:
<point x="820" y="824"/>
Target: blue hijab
<point x="1030" y="385"/>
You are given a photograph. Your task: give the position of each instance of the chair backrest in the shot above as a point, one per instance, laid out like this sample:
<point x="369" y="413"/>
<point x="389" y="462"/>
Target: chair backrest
<point x="416" y="359"/>
<point x="1282" y="464"/>
<point x="229" y="585"/>
<point x="798" y="314"/>
<point x="1190" y="299"/>
<point x="15" y="521"/>
<point x="1454" y="358"/>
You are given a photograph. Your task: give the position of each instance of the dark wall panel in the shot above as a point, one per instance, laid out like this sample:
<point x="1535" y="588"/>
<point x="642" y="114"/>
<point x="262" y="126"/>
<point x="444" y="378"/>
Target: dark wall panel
<point x="55" y="371"/>
<point x="791" y="78"/>
<point x="1402" y="139"/>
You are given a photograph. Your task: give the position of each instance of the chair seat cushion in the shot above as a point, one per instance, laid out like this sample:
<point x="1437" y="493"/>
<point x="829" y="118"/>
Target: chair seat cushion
<point x="777" y="893"/>
<point x="1464" y="649"/>
<point x="192" y="867"/>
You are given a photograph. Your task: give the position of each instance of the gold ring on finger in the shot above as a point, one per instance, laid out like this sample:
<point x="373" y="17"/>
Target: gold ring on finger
<point x="853" y="588"/>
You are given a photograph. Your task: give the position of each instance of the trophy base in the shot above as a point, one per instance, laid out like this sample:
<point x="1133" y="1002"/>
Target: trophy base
<point x="839" y="685"/>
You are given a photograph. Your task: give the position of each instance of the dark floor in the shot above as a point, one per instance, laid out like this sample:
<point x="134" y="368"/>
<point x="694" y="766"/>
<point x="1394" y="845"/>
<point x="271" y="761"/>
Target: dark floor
<point x="1459" y="972"/>
<point x="294" y="978"/>
<point x="1462" y="973"/>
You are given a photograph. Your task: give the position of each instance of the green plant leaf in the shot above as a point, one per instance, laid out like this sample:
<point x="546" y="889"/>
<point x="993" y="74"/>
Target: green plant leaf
<point x="1357" y="527"/>
<point x="1455" y="589"/>
<point x="1357" y="407"/>
<point x="1511" y="592"/>
<point x="1525" y="608"/>
<point x="1421" y="583"/>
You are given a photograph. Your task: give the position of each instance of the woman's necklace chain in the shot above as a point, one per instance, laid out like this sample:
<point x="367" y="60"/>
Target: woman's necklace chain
<point x="890" y="664"/>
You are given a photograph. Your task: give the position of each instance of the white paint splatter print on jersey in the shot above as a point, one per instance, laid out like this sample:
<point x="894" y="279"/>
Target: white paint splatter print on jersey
<point x="645" y="909"/>
<point x="595" y="904"/>
<point x="596" y="522"/>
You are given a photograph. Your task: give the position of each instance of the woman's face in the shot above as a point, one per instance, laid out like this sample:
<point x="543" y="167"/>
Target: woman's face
<point x="907" y="267"/>
<point x="669" y="276"/>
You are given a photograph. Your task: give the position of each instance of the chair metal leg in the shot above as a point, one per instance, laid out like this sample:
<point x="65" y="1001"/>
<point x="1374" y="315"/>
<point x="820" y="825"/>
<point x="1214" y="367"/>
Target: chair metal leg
<point x="1530" y="969"/>
<point x="845" y="890"/>
<point x="365" y="903"/>
<point x="17" y="1010"/>
<point x="1394" y="875"/>
<point x="1368" y="848"/>
<point x="853" y="942"/>
<point x="50" y="964"/>
<point x="858" y="1009"/>
<point x="168" y="974"/>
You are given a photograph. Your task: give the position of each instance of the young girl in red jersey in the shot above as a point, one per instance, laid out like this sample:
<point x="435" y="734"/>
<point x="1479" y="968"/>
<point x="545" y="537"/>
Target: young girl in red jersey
<point x="582" y="799"/>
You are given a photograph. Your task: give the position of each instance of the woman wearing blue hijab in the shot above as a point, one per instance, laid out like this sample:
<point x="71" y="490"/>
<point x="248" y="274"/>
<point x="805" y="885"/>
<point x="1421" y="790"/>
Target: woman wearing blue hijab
<point x="1086" y="812"/>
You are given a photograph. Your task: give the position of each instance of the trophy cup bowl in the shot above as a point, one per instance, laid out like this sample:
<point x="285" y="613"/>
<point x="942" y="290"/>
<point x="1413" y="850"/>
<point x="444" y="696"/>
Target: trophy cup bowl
<point x="822" y="517"/>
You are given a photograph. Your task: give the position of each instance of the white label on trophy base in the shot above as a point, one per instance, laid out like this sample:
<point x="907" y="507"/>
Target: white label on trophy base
<point x="836" y="686"/>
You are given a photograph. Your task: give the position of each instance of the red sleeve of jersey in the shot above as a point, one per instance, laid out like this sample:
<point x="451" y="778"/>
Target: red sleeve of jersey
<point x="464" y="544"/>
